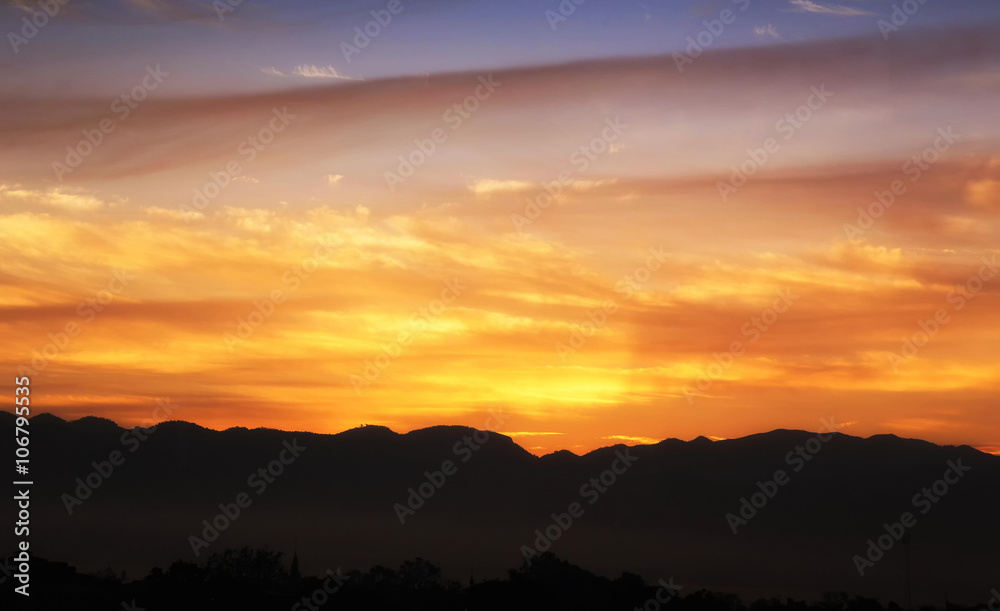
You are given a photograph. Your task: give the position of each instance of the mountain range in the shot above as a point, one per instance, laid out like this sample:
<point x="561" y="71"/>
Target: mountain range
<point x="782" y="513"/>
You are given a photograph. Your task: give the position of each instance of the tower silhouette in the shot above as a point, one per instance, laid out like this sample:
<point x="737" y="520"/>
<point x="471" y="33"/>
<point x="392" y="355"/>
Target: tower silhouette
<point x="294" y="571"/>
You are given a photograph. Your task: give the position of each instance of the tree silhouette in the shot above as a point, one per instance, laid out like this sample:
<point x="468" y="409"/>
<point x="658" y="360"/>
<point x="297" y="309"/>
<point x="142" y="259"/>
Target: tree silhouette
<point x="248" y="566"/>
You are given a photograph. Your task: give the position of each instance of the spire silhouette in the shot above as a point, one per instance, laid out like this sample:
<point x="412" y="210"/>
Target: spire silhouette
<point x="294" y="572"/>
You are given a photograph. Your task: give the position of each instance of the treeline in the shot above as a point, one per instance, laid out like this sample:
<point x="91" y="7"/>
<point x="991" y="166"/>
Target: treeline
<point x="258" y="579"/>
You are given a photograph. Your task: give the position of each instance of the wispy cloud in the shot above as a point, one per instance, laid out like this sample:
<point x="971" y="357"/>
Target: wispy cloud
<point x="334" y="179"/>
<point x="65" y="199"/>
<point x="632" y="438"/>
<point x="586" y="185"/>
<point x="530" y="434"/>
<point x="806" y="6"/>
<point x="984" y="193"/>
<point x="767" y="30"/>
<point x="488" y="186"/>
<point x="174" y="214"/>
<point x="311" y="71"/>
<point x="20" y="4"/>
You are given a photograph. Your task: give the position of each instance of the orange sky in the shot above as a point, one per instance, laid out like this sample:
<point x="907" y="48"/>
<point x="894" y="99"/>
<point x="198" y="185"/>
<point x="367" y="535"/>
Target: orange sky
<point x="526" y="287"/>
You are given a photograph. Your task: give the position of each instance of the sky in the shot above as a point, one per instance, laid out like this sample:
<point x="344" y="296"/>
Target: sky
<point x="614" y="222"/>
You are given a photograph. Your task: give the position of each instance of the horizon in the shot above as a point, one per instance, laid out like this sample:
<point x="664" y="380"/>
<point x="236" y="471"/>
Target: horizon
<point x="515" y="434"/>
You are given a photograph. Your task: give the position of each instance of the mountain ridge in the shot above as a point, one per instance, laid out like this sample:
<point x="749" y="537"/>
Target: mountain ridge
<point x="371" y="496"/>
<point x="387" y="433"/>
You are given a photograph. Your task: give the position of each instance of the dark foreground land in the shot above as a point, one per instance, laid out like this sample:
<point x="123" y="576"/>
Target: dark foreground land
<point x="249" y="579"/>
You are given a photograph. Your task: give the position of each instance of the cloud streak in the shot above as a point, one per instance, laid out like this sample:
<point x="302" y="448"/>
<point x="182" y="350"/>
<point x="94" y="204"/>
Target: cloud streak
<point x="807" y="6"/>
<point x="311" y="71"/>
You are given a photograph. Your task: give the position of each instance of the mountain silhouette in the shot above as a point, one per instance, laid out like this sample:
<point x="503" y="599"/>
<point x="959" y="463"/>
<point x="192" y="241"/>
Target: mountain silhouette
<point x="665" y="515"/>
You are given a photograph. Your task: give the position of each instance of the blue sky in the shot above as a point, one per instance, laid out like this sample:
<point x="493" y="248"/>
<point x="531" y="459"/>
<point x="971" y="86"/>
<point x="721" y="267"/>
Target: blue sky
<point x="92" y="47"/>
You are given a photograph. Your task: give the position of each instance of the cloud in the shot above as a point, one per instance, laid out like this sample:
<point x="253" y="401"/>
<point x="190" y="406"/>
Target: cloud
<point x="70" y="200"/>
<point x="767" y="30"/>
<point x="148" y="5"/>
<point x="20" y="4"/>
<point x="334" y="179"/>
<point x="311" y="71"/>
<point x="806" y="6"/>
<point x="530" y="434"/>
<point x="983" y="193"/>
<point x="586" y="185"/>
<point x="865" y="257"/>
<point x="174" y="214"/>
<point x="214" y="127"/>
<point x="131" y="11"/>
<point x="632" y="438"/>
<point x="253" y="220"/>
<point x="197" y="281"/>
<point x="959" y="224"/>
<point x="488" y="186"/>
